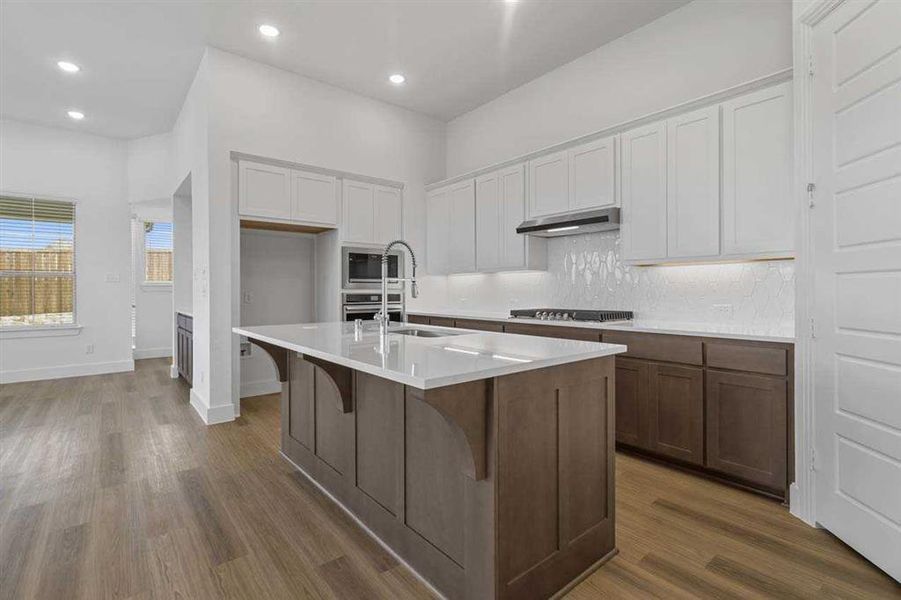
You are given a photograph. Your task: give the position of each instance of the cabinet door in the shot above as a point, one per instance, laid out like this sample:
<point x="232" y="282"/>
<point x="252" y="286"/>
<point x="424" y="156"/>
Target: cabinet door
<point x="314" y="198"/>
<point x="644" y="193"/>
<point x="549" y="184"/>
<point x="438" y="231"/>
<point x="488" y="222"/>
<point x="746" y="427"/>
<point x="676" y="412"/>
<point x="512" y="184"/>
<point x="388" y="214"/>
<point x="591" y="179"/>
<point x="632" y="402"/>
<point x="264" y="190"/>
<point x="358" y="211"/>
<point x="757" y="170"/>
<point x="693" y="184"/>
<point x="461" y="197"/>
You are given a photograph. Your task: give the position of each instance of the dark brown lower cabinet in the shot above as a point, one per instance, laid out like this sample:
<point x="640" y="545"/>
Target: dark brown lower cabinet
<point x="746" y="427"/>
<point x="676" y="412"/>
<point x="632" y="402"/>
<point x="184" y="346"/>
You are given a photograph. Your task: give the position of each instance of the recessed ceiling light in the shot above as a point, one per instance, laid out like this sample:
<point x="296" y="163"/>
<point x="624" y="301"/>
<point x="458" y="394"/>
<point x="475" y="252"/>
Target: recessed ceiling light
<point x="76" y="114"/>
<point x="68" y="67"/>
<point x="397" y="79"/>
<point x="269" y="31"/>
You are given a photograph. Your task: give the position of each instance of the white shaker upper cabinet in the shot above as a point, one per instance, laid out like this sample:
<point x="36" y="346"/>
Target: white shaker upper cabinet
<point x="264" y="190"/>
<point x="438" y="231"/>
<point x="549" y="184"/>
<point x="489" y="222"/>
<point x="462" y="250"/>
<point x="693" y="184"/>
<point x="358" y="211"/>
<point x="591" y="174"/>
<point x="644" y="193"/>
<point x="314" y="198"/>
<point x="757" y="171"/>
<point x="388" y="214"/>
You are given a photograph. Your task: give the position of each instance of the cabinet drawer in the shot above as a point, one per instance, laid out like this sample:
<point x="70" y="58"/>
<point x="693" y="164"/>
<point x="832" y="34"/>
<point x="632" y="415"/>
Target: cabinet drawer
<point x="554" y="331"/>
<point x="666" y="348"/>
<point x="480" y="325"/>
<point x="441" y="321"/>
<point x="185" y="322"/>
<point x="418" y="319"/>
<point x="756" y="359"/>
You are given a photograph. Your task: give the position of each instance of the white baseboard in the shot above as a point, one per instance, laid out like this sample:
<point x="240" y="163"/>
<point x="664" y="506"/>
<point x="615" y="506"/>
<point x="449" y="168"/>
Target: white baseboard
<point x="211" y="415"/>
<point x="173" y="371"/>
<point x="163" y="352"/>
<point x="61" y="371"/>
<point x="260" y="388"/>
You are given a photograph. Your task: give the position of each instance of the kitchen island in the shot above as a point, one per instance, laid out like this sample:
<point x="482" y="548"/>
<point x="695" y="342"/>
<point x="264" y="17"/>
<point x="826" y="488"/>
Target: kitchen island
<point x="484" y="460"/>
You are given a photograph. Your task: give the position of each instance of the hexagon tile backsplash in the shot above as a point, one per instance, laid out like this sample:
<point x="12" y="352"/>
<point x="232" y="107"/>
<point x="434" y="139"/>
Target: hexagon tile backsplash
<point x="585" y="271"/>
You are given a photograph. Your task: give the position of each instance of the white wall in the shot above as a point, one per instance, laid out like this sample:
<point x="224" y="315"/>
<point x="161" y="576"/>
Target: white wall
<point x="92" y="170"/>
<point x="277" y="286"/>
<point x="261" y="110"/>
<point x="696" y="50"/>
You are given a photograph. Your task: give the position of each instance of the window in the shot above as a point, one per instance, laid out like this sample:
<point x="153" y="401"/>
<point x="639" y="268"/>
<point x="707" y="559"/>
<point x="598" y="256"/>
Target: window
<point x="37" y="262"/>
<point x="157" y="252"/>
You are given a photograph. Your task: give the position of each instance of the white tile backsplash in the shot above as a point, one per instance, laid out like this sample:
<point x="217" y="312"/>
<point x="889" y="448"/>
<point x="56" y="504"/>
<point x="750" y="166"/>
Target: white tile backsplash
<point x="585" y="271"/>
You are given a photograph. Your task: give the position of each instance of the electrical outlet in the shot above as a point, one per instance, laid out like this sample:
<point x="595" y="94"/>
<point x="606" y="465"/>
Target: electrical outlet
<point x="89" y="349"/>
<point x="112" y="278"/>
<point x="248" y="297"/>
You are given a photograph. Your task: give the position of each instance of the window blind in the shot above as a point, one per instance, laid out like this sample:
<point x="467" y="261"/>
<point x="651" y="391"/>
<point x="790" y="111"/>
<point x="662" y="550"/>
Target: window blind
<point x="157" y="252"/>
<point x="37" y="261"/>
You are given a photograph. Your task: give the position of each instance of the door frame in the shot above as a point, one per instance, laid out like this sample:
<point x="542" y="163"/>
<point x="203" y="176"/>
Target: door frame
<point x="802" y="501"/>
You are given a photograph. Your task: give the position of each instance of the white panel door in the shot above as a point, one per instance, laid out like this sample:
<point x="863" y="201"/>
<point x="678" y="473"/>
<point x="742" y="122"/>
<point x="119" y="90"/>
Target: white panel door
<point x="591" y="174"/>
<point x="489" y="218"/>
<point x="438" y="232"/>
<point x="549" y="184"/>
<point x="512" y="183"/>
<point x="359" y="213"/>
<point x="644" y="193"/>
<point x="388" y="217"/>
<point x="314" y="198"/>
<point x="856" y="241"/>
<point x="264" y="190"/>
<point x="461" y="197"/>
<point x="693" y="184"/>
<point x="758" y="213"/>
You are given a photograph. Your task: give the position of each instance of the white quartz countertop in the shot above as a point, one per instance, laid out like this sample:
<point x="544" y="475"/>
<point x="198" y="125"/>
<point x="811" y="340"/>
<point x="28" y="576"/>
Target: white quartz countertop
<point x="737" y="331"/>
<point x="425" y="363"/>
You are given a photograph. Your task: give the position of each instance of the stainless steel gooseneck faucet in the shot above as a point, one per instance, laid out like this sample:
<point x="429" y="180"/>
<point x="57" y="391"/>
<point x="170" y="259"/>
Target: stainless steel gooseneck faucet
<point x="382" y="316"/>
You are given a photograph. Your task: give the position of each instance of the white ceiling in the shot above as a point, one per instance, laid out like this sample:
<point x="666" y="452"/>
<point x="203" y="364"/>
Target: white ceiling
<point x="138" y="58"/>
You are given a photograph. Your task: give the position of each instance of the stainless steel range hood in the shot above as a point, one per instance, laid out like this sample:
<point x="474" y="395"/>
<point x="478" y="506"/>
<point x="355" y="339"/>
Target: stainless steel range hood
<point x="587" y="221"/>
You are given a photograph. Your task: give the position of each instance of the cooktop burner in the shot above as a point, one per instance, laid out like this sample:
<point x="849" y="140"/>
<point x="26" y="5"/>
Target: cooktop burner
<point x="568" y="314"/>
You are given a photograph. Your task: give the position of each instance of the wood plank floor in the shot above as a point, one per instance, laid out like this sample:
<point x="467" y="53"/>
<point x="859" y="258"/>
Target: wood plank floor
<point x="111" y="487"/>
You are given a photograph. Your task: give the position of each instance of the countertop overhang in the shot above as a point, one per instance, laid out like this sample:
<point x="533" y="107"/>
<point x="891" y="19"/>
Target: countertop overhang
<point x="425" y="363"/>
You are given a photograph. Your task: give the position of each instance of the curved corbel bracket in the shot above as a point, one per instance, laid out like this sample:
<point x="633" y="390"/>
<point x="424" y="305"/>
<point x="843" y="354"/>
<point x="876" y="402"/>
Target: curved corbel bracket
<point x="341" y="376"/>
<point x="465" y="407"/>
<point x="279" y="357"/>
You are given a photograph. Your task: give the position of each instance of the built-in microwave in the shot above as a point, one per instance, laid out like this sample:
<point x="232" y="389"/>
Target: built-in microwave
<point x="361" y="268"/>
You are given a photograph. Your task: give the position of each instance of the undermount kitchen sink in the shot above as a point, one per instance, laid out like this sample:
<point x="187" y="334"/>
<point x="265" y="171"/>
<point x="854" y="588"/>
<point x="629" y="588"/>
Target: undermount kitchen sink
<point x="425" y="333"/>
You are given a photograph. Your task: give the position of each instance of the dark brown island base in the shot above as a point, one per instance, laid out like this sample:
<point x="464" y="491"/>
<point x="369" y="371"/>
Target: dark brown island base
<point x="497" y="488"/>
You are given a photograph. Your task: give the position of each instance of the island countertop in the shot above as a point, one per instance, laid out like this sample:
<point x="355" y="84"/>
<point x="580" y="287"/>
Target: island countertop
<point x="459" y="356"/>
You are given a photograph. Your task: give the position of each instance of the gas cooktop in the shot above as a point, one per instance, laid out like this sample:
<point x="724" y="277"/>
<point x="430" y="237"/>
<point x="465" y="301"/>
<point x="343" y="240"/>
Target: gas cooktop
<point x="568" y="314"/>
